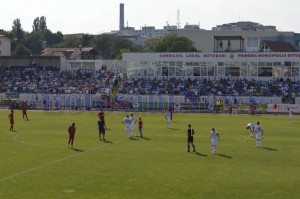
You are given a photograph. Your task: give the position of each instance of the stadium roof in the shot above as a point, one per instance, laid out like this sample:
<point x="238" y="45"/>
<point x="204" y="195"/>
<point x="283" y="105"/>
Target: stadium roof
<point x="278" y="46"/>
<point x="69" y="53"/>
<point x="228" y="38"/>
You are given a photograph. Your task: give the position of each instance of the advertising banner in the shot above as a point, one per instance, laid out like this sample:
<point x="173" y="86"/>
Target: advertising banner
<point x="283" y="108"/>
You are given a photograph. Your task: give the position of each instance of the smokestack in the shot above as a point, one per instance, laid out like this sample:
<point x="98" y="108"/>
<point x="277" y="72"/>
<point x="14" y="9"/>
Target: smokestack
<point x="121" y="16"/>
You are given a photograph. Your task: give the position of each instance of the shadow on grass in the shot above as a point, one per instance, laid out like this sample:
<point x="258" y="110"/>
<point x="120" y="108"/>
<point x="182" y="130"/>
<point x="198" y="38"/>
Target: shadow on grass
<point x="133" y="138"/>
<point x="225" y="156"/>
<point x="145" y="138"/>
<point x="270" y="149"/>
<point x="107" y="141"/>
<point x="200" y="154"/>
<point x="173" y="129"/>
<point x="77" y="150"/>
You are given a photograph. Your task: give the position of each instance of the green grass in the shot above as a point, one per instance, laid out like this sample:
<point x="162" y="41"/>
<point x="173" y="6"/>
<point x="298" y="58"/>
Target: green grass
<point x="36" y="163"/>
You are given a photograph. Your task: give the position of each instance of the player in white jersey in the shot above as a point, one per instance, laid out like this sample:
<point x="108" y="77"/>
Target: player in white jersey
<point x="214" y="137"/>
<point x="251" y="127"/>
<point x="259" y="134"/>
<point x="132" y="124"/>
<point x="291" y="114"/>
<point x="168" y="118"/>
<point x="126" y="121"/>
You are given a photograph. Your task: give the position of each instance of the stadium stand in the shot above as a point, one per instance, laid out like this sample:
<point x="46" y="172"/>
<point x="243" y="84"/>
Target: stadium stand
<point x="16" y="80"/>
<point x="205" y="86"/>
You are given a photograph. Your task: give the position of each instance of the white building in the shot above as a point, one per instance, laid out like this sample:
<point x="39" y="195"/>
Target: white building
<point x="74" y="58"/>
<point x="240" y="41"/>
<point x="244" y="26"/>
<point x="5" y="46"/>
<point x="138" y="37"/>
<point x="214" y="65"/>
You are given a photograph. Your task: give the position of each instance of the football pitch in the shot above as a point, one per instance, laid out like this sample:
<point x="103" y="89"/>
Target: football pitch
<point x="36" y="163"/>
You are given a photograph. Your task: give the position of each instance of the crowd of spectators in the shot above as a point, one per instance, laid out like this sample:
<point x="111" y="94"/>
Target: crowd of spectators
<point x="16" y="80"/>
<point x="214" y="86"/>
<point x="52" y="80"/>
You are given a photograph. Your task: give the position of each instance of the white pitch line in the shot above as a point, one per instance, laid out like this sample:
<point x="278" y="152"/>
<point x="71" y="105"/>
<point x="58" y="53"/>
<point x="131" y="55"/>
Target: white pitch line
<point x="34" y="144"/>
<point x="52" y="163"/>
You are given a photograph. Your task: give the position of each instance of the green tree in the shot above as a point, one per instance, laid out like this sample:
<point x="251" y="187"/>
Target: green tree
<point x="7" y="34"/>
<point x="70" y="42"/>
<point x="21" y="50"/>
<point x="103" y="44"/>
<point x="39" y="24"/>
<point x="111" y="47"/>
<point x="51" y="39"/>
<point x="86" y="40"/>
<point x="43" y="24"/>
<point x="171" y="43"/>
<point x="36" y="25"/>
<point x="120" y="45"/>
<point x="151" y="43"/>
<point x="34" y="42"/>
<point x="17" y="31"/>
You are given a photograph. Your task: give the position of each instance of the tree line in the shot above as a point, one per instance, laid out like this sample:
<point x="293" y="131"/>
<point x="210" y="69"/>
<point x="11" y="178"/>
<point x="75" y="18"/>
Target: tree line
<point x="110" y="46"/>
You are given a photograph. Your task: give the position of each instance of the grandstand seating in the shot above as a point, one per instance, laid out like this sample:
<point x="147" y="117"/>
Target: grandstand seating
<point x="16" y="80"/>
<point x="214" y="86"/>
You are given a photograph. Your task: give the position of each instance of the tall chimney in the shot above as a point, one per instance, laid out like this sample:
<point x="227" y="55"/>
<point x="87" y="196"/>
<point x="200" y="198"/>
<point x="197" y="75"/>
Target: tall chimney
<point x="121" y="16"/>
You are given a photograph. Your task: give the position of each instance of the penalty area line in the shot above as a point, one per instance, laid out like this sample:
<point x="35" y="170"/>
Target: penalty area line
<point x="32" y="144"/>
<point x="53" y="163"/>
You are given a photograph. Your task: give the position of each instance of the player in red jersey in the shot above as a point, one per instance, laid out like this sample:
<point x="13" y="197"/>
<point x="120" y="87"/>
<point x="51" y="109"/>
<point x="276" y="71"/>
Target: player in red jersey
<point x="71" y="131"/>
<point x="11" y="120"/>
<point x="252" y="109"/>
<point x="141" y="127"/>
<point x="275" y="107"/>
<point x="24" y="111"/>
<point x="101" y="116"/>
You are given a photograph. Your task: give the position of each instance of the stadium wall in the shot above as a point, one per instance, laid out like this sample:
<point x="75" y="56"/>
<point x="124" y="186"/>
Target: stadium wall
<point x="283" y="108"/>
<point x="75" y="102"/>
<point x="139" y="102"/>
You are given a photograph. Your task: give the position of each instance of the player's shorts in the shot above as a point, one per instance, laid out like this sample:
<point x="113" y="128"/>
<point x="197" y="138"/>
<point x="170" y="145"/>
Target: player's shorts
<point x="102" y="130"/>
<point x="127" y="128"/>
<point x="132" y="128"/>
<point x="214" y="142"/>
<point x="258" y="136"/>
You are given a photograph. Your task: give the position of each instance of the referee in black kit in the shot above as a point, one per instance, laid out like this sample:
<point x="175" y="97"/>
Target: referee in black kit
<point x="190" y="140"/>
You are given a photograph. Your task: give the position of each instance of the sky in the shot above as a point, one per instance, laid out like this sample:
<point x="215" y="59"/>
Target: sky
<point x="99" y="16"/>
